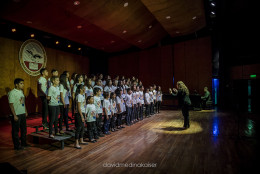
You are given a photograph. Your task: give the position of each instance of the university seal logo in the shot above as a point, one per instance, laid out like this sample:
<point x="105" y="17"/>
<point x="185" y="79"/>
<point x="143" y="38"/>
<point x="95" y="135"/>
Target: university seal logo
<point x="32" y="57"/>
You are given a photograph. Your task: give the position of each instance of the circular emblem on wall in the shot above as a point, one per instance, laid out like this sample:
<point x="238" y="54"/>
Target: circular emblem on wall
<point x="32" y="57"/>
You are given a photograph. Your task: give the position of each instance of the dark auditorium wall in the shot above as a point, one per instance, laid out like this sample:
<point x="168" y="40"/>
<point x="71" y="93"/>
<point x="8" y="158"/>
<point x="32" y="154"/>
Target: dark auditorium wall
<point x="10" y="69"/>
<point x="189" y="61"/>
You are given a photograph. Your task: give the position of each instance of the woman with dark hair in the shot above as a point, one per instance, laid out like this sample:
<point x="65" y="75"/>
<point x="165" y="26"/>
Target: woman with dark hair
<point x="64" y="104"/>
<point x="184" y="101"/>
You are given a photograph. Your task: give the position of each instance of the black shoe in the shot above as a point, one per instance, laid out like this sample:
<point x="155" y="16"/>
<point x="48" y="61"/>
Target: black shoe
<point x="77" y="147"/>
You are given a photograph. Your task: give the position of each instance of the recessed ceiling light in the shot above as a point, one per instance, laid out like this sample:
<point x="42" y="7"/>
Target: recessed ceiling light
<point x="177" y="32"/>
<point x="168" y="17"/>
<point x="112" y="41"/>
<point x="79" y="49"/>
<point x="140" y="41"/>
<point x="76" y="3"/>
<point x="32" y="35"/>
<point x="213" y="4"/>
<point x="13" y="30"/>
<point x="150" y="26"/>
<point x="69" y="46"/>
<point x="124" y="31"/>
<point x="194" y="17"/>
<point x="213" y="12"/>
<point x="57" y="42"/>
<point x="126" y="4"/>
<point x="79" y="26"/>
<point x="29" y="22"/>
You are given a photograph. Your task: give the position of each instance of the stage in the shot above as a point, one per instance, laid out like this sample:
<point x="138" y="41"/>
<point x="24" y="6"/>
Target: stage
<point x="214" y="143"/>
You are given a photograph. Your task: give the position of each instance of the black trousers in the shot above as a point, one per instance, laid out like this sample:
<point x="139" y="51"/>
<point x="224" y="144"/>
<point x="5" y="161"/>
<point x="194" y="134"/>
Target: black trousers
<point x="151" y="109"/>
<point x="64" y="116"/>
<point x="147" y="110"/>
<point x="92" y="130"/>
<point x="113" y="122"/>
<point x="98" y="123"/>
<point x="54" y="112"/>
<point x="119" y="119"/>
<point x="159" y="106"/>
<point x="44" y="110"/>
<point x="155" y="107"/>
<point x="20" y="124"/>
<point x="141" y="111"/>
<point x="79" y="124"/>
<point x="185" y="113"/>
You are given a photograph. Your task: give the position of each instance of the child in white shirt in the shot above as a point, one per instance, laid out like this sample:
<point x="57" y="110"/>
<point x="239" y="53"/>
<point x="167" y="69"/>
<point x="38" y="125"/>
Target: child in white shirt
<point x="19" y="113"/>
<point x="108" y="111"/>
<point x="147" y="101"/>
<point x="129" y="106"/>
<point x="80" y="116"/>
<point x="91" y="119"/>
<point x="42" y="91"/>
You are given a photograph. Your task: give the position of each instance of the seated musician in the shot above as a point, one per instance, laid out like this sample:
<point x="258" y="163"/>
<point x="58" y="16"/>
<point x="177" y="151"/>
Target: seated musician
<point x="206" y="98"/>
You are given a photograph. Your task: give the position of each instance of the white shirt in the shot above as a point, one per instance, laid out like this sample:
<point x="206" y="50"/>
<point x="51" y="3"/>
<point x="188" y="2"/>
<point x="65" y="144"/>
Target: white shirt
<point x="43" y="82"/>
<point x="147" y="98"/>
<point x="129" y="101"/>
<point x="159" y="96"/>
<point x="114" y="108"/>
<point x="88" y="91"/>
<point x="114" y="88"/>
<point x="107" y="106"/>
<point x="141" y="97"/>
<point x="120" y="103"/>
<point x="65" y="94"/>
<point x="134" y="97"/>
<point x="108" y="89"/>
<point x="151" y="96"/>
<point x="54" y="93"/>
<point x="17" y="98"/>
<point x="81" y="99"/>
<point x="91" y="112"/>
<point x="97" y="103"/>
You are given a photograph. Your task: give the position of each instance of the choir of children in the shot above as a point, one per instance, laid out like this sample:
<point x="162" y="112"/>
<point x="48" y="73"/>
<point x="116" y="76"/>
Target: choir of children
<point x="96" y="103"/>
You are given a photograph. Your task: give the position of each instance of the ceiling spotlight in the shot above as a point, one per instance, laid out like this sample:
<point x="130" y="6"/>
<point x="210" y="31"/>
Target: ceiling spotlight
<point x="57" y="42"/>
<point x="124" y="31"/>
<point x="79" y="49"/>
<point x="13" y="30"/>
<point x="69" y="46"/>
<point x="168" y="17"/>
<point x="126" y="4"/>
<point x="194" y="17"/>
<point x="177" y="32"/>
<point x="212" y="4"/>
<point x="140" y="41"/>
<point x="79" y="26"/>
<point x="150" y="26"/>
<point x="32" y="35"/>
<point x="112" y="41"/>
<point x="213" y="12"/>
<point x="76" y="3"/>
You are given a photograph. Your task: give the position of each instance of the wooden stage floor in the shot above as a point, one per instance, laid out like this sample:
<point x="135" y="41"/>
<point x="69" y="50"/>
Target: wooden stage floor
<point x="214" y="143"/>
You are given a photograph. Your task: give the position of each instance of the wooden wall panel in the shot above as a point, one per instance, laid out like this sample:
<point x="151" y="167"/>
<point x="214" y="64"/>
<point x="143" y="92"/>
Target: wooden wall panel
<point x="188" y="61"/>
<point x="10" y="69"/>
